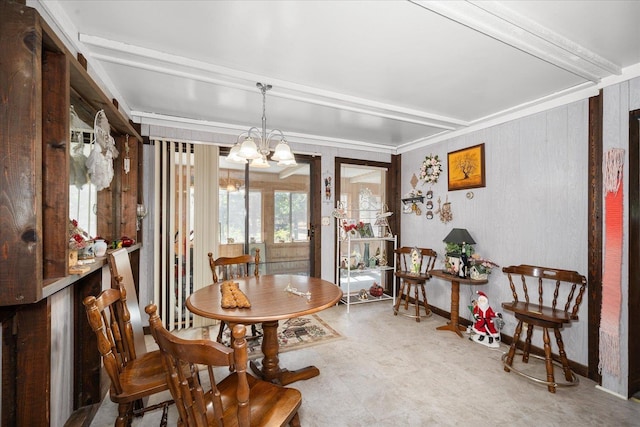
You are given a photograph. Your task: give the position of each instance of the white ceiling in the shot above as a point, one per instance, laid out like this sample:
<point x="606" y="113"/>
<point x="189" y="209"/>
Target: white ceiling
<point x="382" y="75"/>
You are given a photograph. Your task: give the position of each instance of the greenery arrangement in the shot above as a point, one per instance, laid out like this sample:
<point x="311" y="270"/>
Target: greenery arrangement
<point x="455" y="250"/>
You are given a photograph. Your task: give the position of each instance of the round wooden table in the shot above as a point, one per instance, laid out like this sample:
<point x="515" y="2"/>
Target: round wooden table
<point x="269" y="303"/>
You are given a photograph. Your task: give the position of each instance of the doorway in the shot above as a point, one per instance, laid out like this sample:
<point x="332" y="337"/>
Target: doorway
<point x="364" y="189"/>
<point x="270" y="209"/>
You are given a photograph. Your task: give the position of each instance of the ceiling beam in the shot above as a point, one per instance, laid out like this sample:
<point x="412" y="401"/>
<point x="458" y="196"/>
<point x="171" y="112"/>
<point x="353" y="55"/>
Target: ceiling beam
<point x="289" y="171"/>
<point x="365" y="177"/>
<point x="179" y="66"/>
<point x="499" y="22"/>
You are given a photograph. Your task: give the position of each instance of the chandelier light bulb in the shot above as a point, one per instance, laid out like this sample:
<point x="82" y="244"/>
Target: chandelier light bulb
<point x="249" y="149"/>
<point x="233" y="156"/>
<point x="282" y="152"/>
<point x="260" y="162"/>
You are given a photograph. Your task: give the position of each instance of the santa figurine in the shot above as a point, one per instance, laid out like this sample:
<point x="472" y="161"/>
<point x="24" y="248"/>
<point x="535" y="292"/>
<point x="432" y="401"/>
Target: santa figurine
<point x="484" y="327"/>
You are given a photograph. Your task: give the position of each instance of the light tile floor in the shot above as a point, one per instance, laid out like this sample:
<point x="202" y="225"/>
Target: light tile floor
<point x="393" y="371"/>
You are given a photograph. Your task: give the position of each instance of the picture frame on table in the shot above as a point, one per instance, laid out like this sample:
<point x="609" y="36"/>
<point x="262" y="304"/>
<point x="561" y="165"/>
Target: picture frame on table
<point x="465" y="168"/>
<point x="367" y="230"/>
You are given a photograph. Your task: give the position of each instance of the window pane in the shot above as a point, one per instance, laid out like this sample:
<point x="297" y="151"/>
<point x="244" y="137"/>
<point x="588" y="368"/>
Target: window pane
<point x="299" y="216"/>
<point x="236" y="216"/>
<point x="231" y="205"/>
<point x="223" y="217"/>
<point x="255" y="216"/>
<point x="281" y="217"/>
<point x="362" y="190"/>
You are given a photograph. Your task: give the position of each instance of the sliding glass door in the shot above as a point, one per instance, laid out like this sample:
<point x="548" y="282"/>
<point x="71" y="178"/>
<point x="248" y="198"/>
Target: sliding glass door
<point x="269" y="209"/>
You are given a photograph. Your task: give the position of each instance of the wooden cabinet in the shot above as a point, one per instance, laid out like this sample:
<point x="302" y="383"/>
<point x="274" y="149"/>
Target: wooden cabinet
<point x="39" y="80"/>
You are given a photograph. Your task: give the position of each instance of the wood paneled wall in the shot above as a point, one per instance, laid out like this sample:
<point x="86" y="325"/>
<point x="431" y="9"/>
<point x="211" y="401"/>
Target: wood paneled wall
<point x="38" y="76"/>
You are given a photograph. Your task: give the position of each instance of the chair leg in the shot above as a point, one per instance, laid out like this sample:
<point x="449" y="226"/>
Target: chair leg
<point x="527" y="344"/>
<point x="548" y="360"/>
<point x="399" y="300"/>
<point x="417" y="302"/>
<point x="407" y="294"/>
<point x="568" y="375"/>
<point x="124" y="414"/>
<point x="512" y="348"/>
<point x="220" y="331"/>
<point x="295" y="421"/>
<point x="255" y="334"/>
<point x="427" y="310"/>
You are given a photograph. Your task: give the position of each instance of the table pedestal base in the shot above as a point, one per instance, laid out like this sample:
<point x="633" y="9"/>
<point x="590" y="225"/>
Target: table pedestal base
<point x="270" y="369"/>
<point x="285" y="376"/>
<point x="454" y="327"/>
<point x="454" y="324"/>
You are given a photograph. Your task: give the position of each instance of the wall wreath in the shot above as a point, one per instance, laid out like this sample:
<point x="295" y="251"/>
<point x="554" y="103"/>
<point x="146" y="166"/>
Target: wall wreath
<point x="430" y="170"/>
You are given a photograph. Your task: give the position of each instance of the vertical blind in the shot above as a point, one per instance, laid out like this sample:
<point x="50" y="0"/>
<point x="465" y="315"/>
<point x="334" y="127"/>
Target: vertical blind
<point x="186" y="193"/>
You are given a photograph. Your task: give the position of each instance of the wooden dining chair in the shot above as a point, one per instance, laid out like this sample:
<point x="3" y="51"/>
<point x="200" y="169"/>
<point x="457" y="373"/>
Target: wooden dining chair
<point x="412" y="269"/>
<point x="228" y="268"/>
<point x="545" y="310"/>
<point x="134" y="376"/>
<point x="121" y="272"/>
<point x="238" y="400"/>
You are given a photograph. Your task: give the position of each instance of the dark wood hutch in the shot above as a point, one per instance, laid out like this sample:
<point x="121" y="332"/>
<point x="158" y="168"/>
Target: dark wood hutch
<point x="39" y="80"/>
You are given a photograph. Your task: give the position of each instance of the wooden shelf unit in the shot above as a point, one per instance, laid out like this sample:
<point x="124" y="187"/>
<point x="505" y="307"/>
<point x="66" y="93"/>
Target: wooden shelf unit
<point x="39" y="80"/>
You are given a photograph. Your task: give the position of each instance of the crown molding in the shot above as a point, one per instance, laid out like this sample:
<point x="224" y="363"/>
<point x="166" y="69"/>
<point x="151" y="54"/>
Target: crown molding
<point x="575" y="94"/>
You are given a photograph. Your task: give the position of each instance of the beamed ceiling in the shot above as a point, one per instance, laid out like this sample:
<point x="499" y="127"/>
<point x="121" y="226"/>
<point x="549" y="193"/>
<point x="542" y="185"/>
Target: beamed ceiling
<point x="378" y="75"/>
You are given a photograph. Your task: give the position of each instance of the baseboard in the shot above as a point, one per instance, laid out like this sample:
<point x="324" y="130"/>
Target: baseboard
<point x="613" y="393"/>
<point x="577" y="368"/>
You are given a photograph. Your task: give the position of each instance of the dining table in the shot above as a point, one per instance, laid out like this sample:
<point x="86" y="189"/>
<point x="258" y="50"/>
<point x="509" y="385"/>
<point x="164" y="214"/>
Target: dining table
<point x="273" y="297"/>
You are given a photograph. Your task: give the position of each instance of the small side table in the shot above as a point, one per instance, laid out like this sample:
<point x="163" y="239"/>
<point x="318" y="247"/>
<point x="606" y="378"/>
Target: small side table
<point x="453" y="324"/>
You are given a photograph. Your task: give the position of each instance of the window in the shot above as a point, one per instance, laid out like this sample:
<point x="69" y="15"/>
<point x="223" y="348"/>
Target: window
<point x="231" y="211"/>
<point x="83" y="196"/>
<point x="231" y="216"/>
<point x="290" y="216"/>
<point x="362" y="191"/>
<point x="255" y="216"/>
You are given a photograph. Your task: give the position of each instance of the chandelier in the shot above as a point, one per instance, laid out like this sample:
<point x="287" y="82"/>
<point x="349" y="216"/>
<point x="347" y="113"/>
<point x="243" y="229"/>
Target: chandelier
<point x="248" y="149"/>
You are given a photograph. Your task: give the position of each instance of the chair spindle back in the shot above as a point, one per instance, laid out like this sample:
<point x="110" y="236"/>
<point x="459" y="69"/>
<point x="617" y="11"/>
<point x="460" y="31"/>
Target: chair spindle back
<point x="183" y="359"/>
<point x="558" y="279"/>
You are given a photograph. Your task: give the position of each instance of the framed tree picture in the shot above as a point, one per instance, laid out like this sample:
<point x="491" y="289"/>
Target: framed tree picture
<point x="465" y="168"/>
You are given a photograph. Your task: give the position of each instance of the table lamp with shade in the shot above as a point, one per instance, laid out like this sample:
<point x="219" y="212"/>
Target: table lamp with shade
<point x="458" y="251"/>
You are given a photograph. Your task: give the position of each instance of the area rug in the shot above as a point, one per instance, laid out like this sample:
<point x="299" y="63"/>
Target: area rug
<point x="293" y="334"/>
